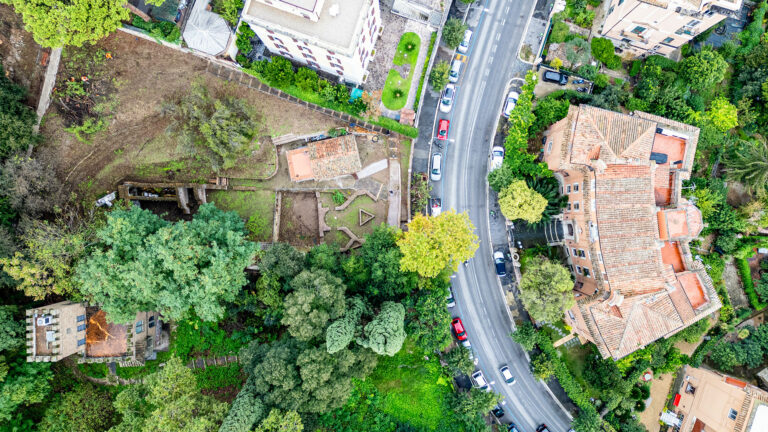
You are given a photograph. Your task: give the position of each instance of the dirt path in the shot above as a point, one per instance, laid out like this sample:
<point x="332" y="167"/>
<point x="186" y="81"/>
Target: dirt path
<point x="733" y="285"/>
<point x="659" y="391"/>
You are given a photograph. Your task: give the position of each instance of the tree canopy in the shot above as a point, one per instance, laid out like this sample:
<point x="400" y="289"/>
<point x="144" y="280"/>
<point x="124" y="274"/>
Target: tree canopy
<point x="16" y="119"/>
<point x="146" y="263"/>
<point x="433" y="244"/>
<point x="168" y="400"/>
<point x="57" y="23"/>
<point x="518" y="201"/>
<point x="84" y="409"/>
<point x="749" y="164"/>
<point x="317" y="298"/>
<point x="385" y="334"/>
<point x="703" y="69"/>
<point x="545" y="289"/>
<point x="453" y="32"/>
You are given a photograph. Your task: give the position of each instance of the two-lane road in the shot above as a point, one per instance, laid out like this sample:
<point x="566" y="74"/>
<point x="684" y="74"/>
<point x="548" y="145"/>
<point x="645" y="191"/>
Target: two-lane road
<point x="492" y="63"/>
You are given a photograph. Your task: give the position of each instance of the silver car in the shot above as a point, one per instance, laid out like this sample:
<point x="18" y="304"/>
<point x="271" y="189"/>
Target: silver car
<point x="446" y="103"/>
<point x="507" y="375"/>
<point x="453" y="75"/>
<point x="478" y="380"/>
<point x="437" y="167"/>
<point x="464" y="46"/>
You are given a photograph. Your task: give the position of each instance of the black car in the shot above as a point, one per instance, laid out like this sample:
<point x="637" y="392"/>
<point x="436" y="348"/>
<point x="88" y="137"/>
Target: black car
<point x="555" y="77"/>
<point x="511" y="428"/>
<point x="498" y="261"/>
<point x="542" y="428"/>
<point x="498" y="411"/>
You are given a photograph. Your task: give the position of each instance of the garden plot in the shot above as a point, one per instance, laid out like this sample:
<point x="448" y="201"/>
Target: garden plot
<point x="298" y="219"/>
<point x="358" y="213"/>
<point x="256" y="207"/>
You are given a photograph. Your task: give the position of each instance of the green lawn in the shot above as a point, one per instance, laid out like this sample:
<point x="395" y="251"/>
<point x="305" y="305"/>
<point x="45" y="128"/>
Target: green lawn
<point x="576" y="360"/>
<point x="258" y="204"/>
<point x="395" y="92"/>
<point x="412" y="390"/>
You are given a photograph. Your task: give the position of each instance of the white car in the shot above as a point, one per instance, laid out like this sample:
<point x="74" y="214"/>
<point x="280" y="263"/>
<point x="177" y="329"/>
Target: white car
<point x="451" y="302"/>
<point x="437" y="167"/>
<point x="509" y="105"/>
<point x="464" y="46"/>
<point x="446" y="102"/>
<point x="466" y="344"/>
<point x="497" y="157"/>
<point x="478" y="380"/>
<point x="453" y="75"/>
<point x="437" y="207"/>
<point x="507" y="375"/>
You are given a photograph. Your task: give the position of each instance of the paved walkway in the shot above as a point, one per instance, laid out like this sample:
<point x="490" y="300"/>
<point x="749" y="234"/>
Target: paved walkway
<point x="372" y="168"/>
<point x="48" y="83"/>
<point x="393" y="213"/>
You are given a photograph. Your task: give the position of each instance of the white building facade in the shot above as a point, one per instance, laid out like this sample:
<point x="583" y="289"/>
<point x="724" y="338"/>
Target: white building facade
<point x="334" y="36"/>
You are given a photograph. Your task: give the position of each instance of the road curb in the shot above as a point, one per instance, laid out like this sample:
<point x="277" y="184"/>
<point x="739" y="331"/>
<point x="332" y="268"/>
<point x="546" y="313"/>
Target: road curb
<point x="525" y="31"/>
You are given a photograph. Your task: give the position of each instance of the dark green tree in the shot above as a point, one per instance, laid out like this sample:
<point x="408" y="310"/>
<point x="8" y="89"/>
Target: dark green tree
<point x="146" y="263"/>
<point x="703" y="69"/>
<point x="84" y="409"/>
<point x="282" y="260"/>
<point x="453" y="32"/>
<point x="316" y="300"/>
<point x="16" y="119"/>
<point x="428" y="319"/>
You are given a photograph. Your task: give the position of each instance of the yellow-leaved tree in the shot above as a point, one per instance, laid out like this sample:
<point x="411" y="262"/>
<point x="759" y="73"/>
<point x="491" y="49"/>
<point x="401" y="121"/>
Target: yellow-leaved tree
<point x="518" y="201"/>
<point x="432" y="244"/>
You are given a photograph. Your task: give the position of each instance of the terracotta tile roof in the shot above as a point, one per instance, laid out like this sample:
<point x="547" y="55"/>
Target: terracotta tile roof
<point x="690" y="143"/>
<point x="611" y="135"/>
<point x="643" y="319"/>
<point x="324" y="160"/>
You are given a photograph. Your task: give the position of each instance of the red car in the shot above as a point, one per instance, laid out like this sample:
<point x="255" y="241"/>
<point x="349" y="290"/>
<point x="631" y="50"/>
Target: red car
<point x="458" y="328"/>
<point x="442" y="129"/>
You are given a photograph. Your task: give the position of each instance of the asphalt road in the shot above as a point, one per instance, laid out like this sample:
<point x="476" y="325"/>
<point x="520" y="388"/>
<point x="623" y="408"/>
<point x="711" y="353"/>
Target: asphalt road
<point x="492" y="64"/>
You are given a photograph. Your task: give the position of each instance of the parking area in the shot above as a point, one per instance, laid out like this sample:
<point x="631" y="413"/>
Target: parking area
<point x="545" y="87"/>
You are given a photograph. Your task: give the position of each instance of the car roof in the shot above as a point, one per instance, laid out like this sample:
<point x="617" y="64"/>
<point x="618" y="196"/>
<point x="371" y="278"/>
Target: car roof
<point x="498" y="254"/>
<point x="443" y="122"/>
<point x="513" y="95"/>
<point x="437" y="157"/>
<point x="549" y="72"/>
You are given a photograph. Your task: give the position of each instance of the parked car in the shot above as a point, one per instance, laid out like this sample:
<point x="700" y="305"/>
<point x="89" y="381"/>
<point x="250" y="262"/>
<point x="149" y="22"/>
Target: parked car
<point x="509" y="105"/>
<point x="464" y="46"/>
<point x="446" y="102"/>
<point x="437" y="207"/>
<point x="497" y="157"/>
<point x="450" y="300"/>
<point x="453" y="75"/>
<point x="478" y="380"/>
<point x="512" y="428"/>
<point x="466" y="344"/>
<point x="542" y="428"/>
<point x="498" y="260"/>
<point x="582" y="89"/>
<point x="442" y="129"/>
<point x="437" y="167"/>
<point x="498" y="411"/>
<point x="507" y="375"/>
<point x="458" y="328"/>
<point x="577" y="81"/>
<point x="555" y="77"/>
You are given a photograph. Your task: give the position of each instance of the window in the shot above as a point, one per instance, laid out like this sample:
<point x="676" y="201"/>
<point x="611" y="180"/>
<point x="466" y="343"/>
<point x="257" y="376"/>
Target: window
<point x="576" y="206"/>
<point x="81" y="342"/>
<point x="575" y="252"/>
<point x="549" y="147"/>
<point x="582" y="254"/>
<point x="80" y="318"/>
<point x="139" y="326"/>
<point x="610" y="10"/>
<point x="575" y="187"/>
<point x="80" y="328"/>
<point x="668" y="40"/>
<point x="568" y="189"/>
<point x="579" y="270"/>
<point x="732" y="414"/>
<point x="621" y="2"/>
<point x="303" y="48"/>
<point x="151" y="321"/>
<point x="69" y="331"/>
<point x="693" y="23"/>
<point x="285" y="54"/>
<point x="586" y="272"/>
<point x="281" y="47"/>
<point x="568" y="207"/>
<point x="638" y="30"/>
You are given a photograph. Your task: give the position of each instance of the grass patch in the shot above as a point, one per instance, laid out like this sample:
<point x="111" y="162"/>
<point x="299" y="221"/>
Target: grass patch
<point x="94" y="370"/>
<point x="424" y="71"/>
<point x="395" y="126"/>
<point x="575" y="359"/>
<point x="396" y="88"/>
<point x="749" y="285"/>
<point x="411" y="389"/>
<point x="213" y="377"/>
<point x="249" y="204"/>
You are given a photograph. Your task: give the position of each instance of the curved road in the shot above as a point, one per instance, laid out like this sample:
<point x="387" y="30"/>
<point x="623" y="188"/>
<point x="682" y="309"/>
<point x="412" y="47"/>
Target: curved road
<point x="492" y="63"/>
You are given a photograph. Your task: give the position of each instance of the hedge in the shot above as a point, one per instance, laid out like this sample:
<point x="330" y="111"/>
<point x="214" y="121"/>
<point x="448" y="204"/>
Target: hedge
<point x="424" y="71"/>
<point x="163" y="30"/>
<point x="749" y="285"/>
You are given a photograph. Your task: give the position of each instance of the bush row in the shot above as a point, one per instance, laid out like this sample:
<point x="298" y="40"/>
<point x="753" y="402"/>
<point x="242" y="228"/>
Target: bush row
<point x="749" y="285"/>
<point x="163" y="30"/>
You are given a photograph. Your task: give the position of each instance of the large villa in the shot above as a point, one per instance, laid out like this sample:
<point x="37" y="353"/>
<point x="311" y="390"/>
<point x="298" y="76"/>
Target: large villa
<point x="626" y="228"/>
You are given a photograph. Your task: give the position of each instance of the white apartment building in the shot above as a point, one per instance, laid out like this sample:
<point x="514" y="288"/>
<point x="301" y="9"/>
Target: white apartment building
<point x="334" y="36"/>
<point x="646" y="27"/>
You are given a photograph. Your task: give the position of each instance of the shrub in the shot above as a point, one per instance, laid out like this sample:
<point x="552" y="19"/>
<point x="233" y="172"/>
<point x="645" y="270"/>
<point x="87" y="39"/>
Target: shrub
<point x="453" y="32"/>
<point x="279" y="72"/>
<point x="244" y="35"/>
<point x="601" y="81"/>
<point x="439" y="75"/>
<point x="338" y="198"/>
<point x="164" y="30"/>
<point x="559" y="32"/>
<point x="662" y="62"/>
<point x="307" y="79"/>
<point x="588" y="71"/>
<point x="603" y="50"/>
<point x="749" y="285"/>
<point x="635" y="69"/>
<point x="229" y="10"/>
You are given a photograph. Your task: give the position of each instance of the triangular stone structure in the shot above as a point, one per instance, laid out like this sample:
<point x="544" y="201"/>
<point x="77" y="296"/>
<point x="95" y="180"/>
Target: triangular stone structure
<point x="364" y="217"/>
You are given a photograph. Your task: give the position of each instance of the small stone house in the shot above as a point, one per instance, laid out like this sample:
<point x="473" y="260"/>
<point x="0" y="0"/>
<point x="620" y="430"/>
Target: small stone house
<point x="64" y="329"/>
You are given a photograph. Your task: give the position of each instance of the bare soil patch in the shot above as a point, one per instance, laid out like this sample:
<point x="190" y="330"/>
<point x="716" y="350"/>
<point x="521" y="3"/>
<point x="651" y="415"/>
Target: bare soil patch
<point x="135" y="145"/>
<point x="298" y="219"/>
<point x="20" y="54"/>
<point x="659" y="390"/>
